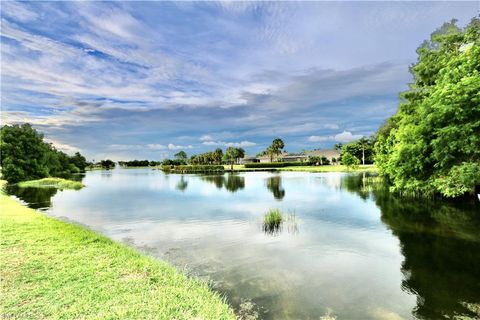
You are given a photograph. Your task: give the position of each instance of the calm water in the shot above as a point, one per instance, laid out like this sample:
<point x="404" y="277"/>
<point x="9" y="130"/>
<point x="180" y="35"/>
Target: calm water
<point x="347" y="250"/>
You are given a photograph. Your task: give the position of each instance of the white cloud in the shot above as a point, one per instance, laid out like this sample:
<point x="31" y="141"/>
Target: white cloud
<point x="18" y="11"/>
<point x="155" y="146"/>
<point x="345" y="136"/>
<point x="319" y="138"/>
<point x="172" y="146"/>
<point x="206" y="138"/>
<point x="67" y="148"/>
<point x="242" y="144"/>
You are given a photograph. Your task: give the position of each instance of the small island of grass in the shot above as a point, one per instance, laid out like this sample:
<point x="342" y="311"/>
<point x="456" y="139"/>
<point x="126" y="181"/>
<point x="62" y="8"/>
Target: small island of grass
<point x="272" y="220"/>
<point x="58" y="183"/>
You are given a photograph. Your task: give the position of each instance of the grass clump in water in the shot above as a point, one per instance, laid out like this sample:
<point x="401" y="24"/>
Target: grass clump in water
<point x="58" y="183"/>
<point x="272" y="220"/>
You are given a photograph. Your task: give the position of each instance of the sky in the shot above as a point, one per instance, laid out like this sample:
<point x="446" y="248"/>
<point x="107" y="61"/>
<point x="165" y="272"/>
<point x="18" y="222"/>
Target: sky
<point x="143" y="80"/>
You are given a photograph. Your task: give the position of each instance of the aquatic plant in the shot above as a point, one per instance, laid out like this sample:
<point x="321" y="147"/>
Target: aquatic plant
<point x="272" y="220"/>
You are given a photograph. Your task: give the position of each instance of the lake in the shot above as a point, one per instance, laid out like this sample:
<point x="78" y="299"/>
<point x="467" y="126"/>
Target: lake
<point x="348" y="249"/>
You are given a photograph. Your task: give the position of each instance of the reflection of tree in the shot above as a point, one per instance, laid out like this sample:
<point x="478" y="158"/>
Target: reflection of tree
<point x="35" y="198"/>
<point x="182" y="184"/>
<point x="442" y="256"/>
<point x="231" y="182"/>
<point x="234" y="183"/>
<point x="274" y="184"/>
<point x="441" y="245"/>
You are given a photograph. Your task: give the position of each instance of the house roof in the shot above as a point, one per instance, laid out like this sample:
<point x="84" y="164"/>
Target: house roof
<point x="324" y="153"/>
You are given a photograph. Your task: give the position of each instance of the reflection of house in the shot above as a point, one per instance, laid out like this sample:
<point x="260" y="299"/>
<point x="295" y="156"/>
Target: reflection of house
<point x="329" y="154"/>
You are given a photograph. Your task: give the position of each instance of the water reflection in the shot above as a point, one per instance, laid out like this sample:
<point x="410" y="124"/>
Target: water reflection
<point x="440" y="242"/>
<point x="362" y="253"/>
<point x="274" y="184"/>
<point x="182" y="185"/>
<point x="230" y="182"/>
<point x="36" y="198"/>
<point x="442" y="255"/>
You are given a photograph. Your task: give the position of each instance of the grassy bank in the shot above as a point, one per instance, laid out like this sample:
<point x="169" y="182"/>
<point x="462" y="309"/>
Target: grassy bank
<point x="54" y="270"/>
<point x="58" y="183"/>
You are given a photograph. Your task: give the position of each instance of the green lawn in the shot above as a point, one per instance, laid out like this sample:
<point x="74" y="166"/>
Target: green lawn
<point x="52" y="183"/>
<point x="55" y="270"/>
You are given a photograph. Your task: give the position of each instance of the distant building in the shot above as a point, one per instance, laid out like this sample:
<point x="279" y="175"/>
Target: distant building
<point x="249" y="159"/>
<point x="329" y="154"/>
<point x="294" y="157"/>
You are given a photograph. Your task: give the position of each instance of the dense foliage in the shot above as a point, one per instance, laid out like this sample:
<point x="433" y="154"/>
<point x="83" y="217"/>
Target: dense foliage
<point x="192" y="168"/>
<point x="213" y="157"/>
<point x="25" y="156"/>
<point x="274" y="150"/>
<point x="432" y="144"/>
<point x="316" y="160"/>
<point x="362" y="149"/>
<point x="233" y="155"/>
<point x="106" y="164"/>
<point x="139" y="163"/>
<point x="350" y="160"/>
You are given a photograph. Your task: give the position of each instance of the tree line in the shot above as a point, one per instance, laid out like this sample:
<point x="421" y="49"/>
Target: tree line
<point x="139" y="163"/>
<point x="25" y="156"/>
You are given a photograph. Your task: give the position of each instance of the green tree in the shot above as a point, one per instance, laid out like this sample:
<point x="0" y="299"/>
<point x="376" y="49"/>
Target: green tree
<point x="107" y="164"/>
<point x="277" y="146"/>
<point x="181" y="156"/>
<point x="432" y="144"/>
<point x="217" y="155"/>
<point x="240" y="154"/>
<point x="362" y="149"/>
<point x="24" y="155"/>
<point x="230" y="156"/>
<point x="274" y="149"/>
<point x="79" y="161"/>
<point x="350" y="160"/>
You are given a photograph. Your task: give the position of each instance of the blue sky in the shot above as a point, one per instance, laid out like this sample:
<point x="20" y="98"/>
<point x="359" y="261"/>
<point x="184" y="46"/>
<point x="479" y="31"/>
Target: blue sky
<point x="138" y="80"/>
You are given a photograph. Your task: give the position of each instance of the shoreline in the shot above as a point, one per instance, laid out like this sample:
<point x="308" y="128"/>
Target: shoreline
<point x="55" y="269"/>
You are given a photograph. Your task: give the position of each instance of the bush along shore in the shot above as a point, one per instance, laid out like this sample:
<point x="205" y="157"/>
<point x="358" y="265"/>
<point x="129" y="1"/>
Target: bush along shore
<point x="55" y="270"/>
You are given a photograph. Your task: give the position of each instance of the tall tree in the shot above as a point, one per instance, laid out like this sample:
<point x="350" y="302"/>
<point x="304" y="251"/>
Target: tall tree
<point x="240" y="154"/>
<point x="24" y="155"/>
<point x="230" y="156"/>
<point x="217" y="155"/>
<point x="181" y="156"/>
<point x="432" y="144"/>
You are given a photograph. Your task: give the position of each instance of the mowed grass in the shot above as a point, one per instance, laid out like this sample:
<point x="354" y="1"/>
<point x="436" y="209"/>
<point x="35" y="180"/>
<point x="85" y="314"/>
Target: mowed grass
<point x="54" y="270"/>
<point x="52" y="183"/>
